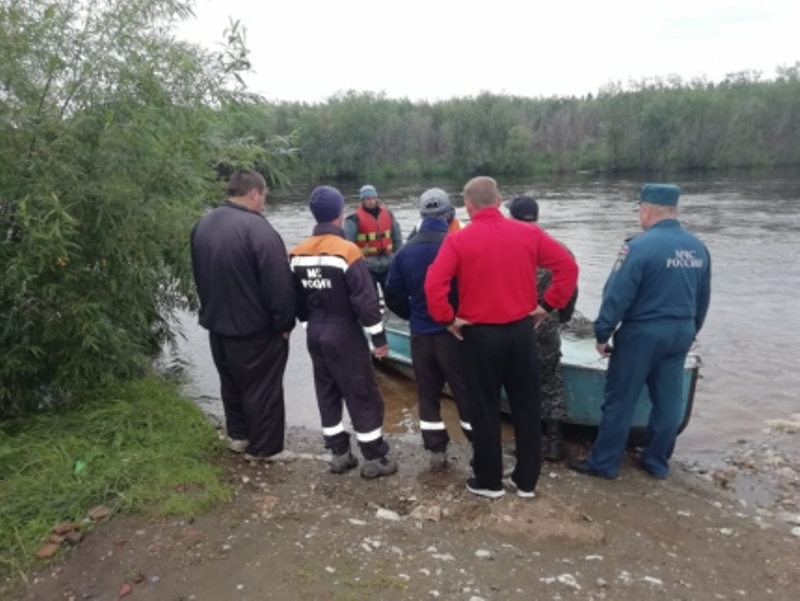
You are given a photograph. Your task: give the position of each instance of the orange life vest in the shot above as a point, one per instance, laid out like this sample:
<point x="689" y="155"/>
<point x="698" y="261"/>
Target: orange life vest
<point x="454" y="226"/>
<point x="374" y="235"/>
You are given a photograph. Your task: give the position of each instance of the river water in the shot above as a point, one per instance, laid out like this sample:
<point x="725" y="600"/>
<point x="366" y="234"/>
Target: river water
<point x="749" y="346"/>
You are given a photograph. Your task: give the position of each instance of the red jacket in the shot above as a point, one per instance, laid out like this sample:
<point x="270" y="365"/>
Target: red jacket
<point x="494" y="260"/>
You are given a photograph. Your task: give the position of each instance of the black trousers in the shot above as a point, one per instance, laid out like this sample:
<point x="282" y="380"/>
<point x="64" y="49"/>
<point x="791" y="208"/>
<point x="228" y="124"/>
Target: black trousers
<point x="437" y="359"/>
<point x="343" y="370"/>
<point x="251" y="375"/>
<point x="496" y="357"/>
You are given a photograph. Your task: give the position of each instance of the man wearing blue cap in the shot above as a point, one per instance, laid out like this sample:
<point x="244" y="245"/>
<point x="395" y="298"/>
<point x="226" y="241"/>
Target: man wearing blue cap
<point x="376" y="232"/>
<point x="337" y="299"/>
<point x="654" y="304"/>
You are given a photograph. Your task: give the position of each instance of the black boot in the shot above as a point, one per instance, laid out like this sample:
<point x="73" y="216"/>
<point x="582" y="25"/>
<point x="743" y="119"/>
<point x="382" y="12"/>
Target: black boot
<point x="555" y="450"/>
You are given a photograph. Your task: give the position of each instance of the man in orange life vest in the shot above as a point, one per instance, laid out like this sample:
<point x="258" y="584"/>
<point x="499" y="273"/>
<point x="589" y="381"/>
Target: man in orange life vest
<point x="376" y="232"/>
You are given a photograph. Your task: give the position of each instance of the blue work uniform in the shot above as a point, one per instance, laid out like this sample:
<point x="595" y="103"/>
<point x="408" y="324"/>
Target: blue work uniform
<point x="659" y="291"/>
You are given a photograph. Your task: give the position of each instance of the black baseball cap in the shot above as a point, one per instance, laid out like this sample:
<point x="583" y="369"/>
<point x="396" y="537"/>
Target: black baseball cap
<point x="524" y="208"/>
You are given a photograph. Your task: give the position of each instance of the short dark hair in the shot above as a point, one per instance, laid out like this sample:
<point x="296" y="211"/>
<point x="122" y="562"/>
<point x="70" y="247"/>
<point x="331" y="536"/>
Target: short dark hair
<point x="242" y="183"/>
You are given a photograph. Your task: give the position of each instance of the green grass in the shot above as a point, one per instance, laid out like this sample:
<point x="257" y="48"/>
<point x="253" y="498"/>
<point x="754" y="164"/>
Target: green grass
<point x="133" y="449"/>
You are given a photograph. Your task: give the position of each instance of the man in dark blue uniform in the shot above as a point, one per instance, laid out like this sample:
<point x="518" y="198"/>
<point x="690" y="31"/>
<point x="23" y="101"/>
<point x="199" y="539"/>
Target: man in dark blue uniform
<point x="337" y="300"/>
<point x="658" y="294"/>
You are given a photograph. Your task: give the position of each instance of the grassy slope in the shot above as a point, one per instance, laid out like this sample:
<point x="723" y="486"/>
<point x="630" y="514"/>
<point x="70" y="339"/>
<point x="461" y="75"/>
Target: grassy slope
<point x="131" y="450"/>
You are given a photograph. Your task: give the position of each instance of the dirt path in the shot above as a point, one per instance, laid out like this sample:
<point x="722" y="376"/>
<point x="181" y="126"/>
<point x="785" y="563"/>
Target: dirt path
<point x="294" y="531"/>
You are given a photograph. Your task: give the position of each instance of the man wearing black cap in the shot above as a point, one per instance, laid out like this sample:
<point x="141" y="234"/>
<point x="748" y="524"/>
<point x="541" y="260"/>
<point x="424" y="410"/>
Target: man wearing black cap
<point x="654" y="304"/>
<point x="247" y="303"/>
<point x="548" y="341"/>
<point x="434" y="351"/>
<point x="337" y="299"/>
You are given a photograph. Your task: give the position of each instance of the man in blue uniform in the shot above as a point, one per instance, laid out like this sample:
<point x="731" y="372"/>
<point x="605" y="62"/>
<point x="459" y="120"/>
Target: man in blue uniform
<point x="658" y="294"/>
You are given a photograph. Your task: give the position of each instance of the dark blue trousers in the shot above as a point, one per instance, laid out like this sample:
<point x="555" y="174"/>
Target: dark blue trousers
<point x="343" y="375"/>
<point x="652" y="353"/>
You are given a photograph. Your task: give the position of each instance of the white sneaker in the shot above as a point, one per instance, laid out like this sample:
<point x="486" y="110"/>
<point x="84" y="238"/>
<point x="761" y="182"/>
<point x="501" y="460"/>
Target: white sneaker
<point x="482" y="491"/>
<point x="283" y="456"/>
<point x="525" y="494"/>
<point x="238" y="446"/>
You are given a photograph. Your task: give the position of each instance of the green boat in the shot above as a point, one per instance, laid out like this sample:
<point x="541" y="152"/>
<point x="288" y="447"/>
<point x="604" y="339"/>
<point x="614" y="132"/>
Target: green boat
<point x="584" y="374"/>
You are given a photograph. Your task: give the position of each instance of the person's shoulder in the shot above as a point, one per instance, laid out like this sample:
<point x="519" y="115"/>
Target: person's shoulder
<point x="340" y="247"/>
<point x="305" y="247"/>
<point x="328" y="245"/>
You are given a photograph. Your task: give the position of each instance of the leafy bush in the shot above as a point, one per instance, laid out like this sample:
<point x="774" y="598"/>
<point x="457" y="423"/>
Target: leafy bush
<point x="108" y="143"/>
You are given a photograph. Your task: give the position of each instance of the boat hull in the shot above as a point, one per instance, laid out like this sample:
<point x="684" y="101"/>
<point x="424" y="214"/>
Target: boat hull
<point x="584" y="375"/>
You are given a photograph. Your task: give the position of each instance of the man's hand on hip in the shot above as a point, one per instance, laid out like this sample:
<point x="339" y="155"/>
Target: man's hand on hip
<point x="539" y="314"/>
<point x="455" y="327"/>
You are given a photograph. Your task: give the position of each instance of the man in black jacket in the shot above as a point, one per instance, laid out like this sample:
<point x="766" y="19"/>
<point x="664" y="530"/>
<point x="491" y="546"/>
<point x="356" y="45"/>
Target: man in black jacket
<point x="247" y="303"/>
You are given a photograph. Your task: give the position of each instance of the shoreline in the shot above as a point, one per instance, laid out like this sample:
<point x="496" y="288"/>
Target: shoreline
<point x="293" y="530"/>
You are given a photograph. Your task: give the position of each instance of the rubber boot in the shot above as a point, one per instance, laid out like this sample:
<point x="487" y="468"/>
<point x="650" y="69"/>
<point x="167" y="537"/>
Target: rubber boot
<point x="555" y="450"/>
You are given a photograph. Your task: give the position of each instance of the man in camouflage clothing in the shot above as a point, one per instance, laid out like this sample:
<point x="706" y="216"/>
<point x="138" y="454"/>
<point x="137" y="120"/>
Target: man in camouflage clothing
<point x="548" y="340"/>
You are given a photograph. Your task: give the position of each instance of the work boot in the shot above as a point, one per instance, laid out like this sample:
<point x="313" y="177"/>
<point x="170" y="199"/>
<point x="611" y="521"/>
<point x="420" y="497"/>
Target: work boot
<point x="375" y="468"/>
<point x="555" y="450"/>
<point x="437" y="461"/>
<point x="343" y="462"/>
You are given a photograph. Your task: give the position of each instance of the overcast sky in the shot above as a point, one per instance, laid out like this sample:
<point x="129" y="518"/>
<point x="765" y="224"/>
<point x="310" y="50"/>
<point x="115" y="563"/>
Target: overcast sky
<point x="433" y="49"/>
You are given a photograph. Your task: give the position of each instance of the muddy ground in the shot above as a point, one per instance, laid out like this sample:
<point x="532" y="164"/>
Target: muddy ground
<point x="295" y="531"/>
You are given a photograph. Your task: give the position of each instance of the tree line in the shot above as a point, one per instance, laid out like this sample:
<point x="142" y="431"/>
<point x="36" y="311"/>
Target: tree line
<point x="654" y="124"/>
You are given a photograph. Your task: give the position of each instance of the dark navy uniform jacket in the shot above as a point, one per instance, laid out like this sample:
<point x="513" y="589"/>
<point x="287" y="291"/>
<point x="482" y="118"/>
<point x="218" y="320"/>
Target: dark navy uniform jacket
<point x="664" y="273"/>
<point x="242" y="273"/>
<point x="405" y="285"/>
<point x="333" y="283"/>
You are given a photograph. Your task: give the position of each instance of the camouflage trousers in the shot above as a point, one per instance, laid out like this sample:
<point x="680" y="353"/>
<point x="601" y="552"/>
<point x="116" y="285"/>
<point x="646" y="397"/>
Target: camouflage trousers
<point x="552" y="384"/>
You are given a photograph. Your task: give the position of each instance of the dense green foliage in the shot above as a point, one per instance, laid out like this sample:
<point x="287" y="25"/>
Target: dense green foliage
<point x="660" y="124"/>
<point x="136" y="447"/>
<point x="110" y="146"/>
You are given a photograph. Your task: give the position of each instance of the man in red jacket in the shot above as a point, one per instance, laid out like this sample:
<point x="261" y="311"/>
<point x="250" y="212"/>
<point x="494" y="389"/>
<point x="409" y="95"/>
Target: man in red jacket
<point x="495" y="261"/>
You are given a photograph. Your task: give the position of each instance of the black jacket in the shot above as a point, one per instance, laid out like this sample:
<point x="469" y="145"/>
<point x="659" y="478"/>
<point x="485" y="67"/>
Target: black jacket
<point x="242" y="273"/>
